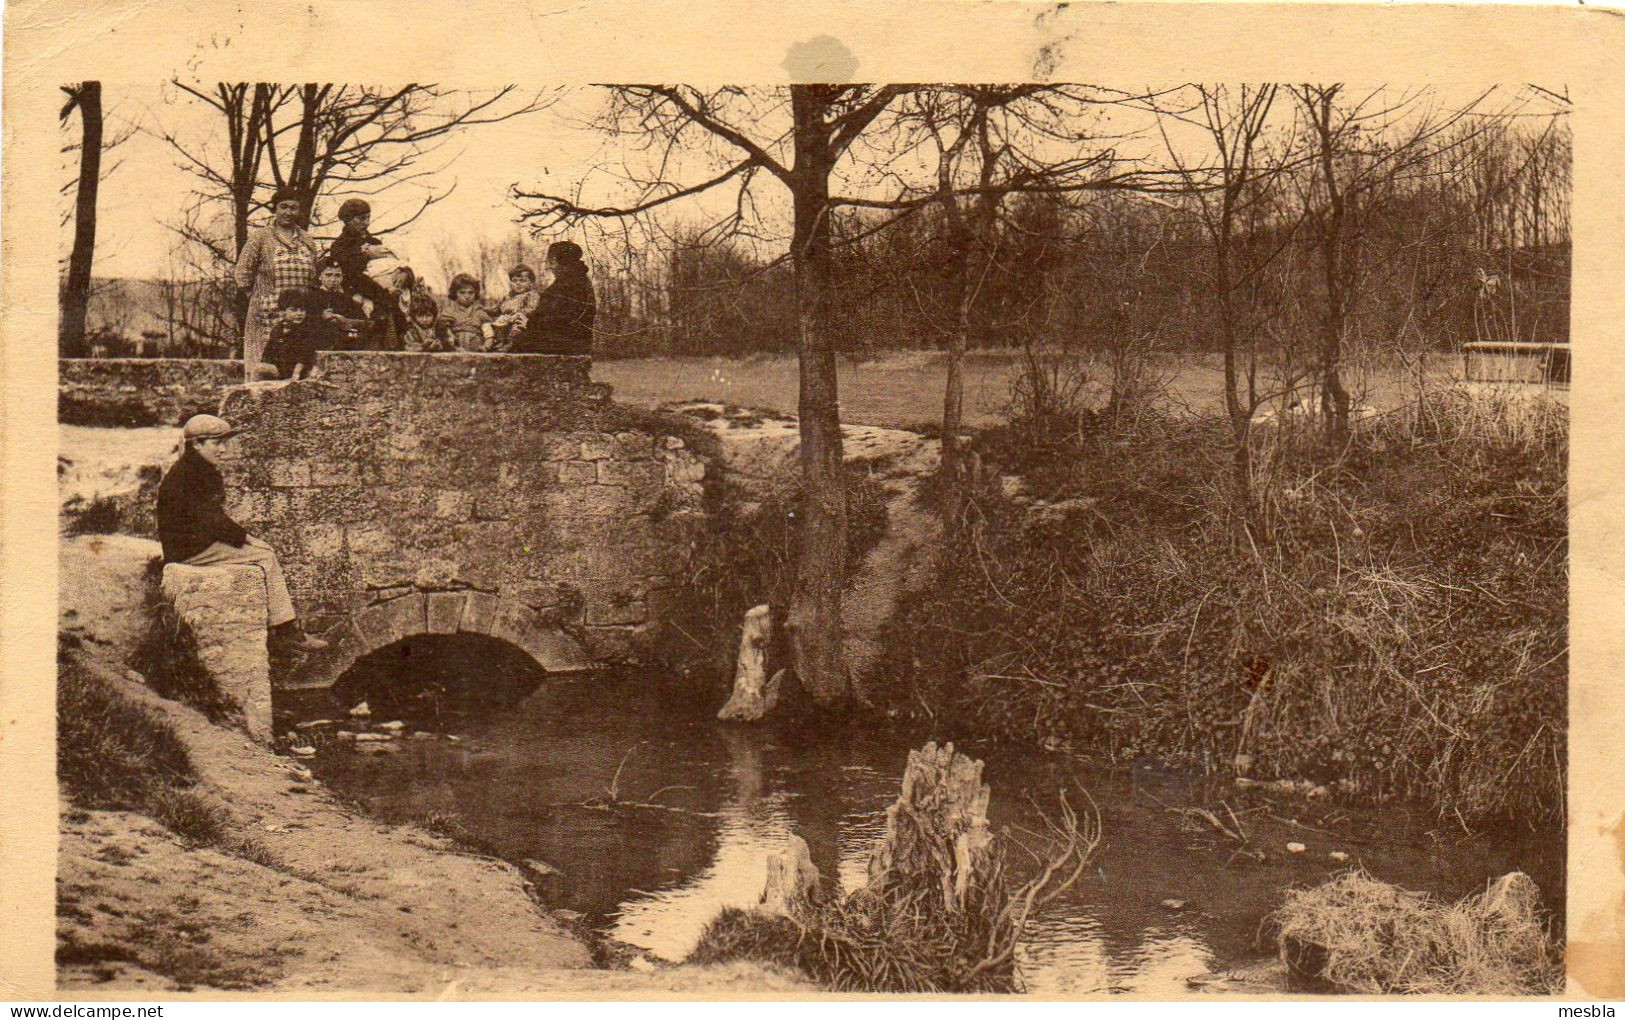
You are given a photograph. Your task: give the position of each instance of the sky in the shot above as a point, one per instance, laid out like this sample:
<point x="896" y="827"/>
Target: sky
<point x="148" y="188"/>
<point x="146" y="193"/>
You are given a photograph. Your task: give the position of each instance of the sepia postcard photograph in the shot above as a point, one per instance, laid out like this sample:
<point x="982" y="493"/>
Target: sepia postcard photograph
<point x="1050" y="501"/>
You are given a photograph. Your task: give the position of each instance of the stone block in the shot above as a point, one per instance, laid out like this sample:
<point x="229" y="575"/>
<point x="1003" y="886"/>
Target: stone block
<point x="492" y="507"/>
<point x="597" y="446"/>
<point x="616" y="612"/>
<point x="554" y="650"/>
<point x="388" y="622"/>
<point x="453" y="505"/>
<point x="636" y="474"/>
<point x="249" y="507"/>
<point x="684" y="468"/>
<point x="289" y="474"/>
<point x="324" y="541"/>
<point x="557" y="448"/>
<point x="479" y="613"/>
<point x="578" y="472"/>
<point x="327" y="473"/>
<point x="673" y="442"/>
<point x="373" y="541"/>
<point x="633" y="445"/>
<point x="444" y="611"/>
<point x="225" y="606"/>
<point x="512" y="622"/>
<point x="384" y="572"/>
<point x="437" y="574"/>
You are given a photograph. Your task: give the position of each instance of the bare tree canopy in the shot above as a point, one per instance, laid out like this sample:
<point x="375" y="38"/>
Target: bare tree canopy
<point x="327" y="141"/>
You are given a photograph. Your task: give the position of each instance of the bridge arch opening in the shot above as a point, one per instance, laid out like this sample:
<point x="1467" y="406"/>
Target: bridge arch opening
<point x="426" y="677"/>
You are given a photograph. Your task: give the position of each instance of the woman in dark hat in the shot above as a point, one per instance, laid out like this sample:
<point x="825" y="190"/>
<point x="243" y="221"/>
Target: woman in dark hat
<point x="561" y="322"/>
<point x="277" y="257"/>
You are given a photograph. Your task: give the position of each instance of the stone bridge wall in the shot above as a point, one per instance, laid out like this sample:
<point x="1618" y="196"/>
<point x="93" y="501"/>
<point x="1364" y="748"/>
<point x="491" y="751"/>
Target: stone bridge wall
<point x="133" y="392"/>
<point x="399" y="487"/>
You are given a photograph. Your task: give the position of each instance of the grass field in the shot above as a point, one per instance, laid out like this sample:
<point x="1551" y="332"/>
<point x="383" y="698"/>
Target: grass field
<point x="905" y="388"/>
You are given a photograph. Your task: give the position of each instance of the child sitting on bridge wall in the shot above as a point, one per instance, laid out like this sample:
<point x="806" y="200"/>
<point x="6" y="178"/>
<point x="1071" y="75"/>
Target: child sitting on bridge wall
<point x="292" y="347"/>
<point x="464" y="319"/>
<point x="424" y="333"/>
<point x="514" y="310"/>
<point x="338" y="320"/>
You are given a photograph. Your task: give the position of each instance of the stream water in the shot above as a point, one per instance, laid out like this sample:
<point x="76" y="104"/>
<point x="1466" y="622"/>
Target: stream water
<point x="646" y="815"/>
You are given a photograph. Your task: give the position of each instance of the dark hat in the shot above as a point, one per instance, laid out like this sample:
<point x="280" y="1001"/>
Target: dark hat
<point x="565" y="251"/>
<point x="352" y="208"/>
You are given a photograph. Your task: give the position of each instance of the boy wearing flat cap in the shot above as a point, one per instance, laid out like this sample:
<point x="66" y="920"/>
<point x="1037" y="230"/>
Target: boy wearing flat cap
<point x="194" y="529"/>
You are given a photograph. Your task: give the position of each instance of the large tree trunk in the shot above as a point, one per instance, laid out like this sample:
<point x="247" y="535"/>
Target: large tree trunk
<point x="815" y="602"/>
<point x="75" y="295"/>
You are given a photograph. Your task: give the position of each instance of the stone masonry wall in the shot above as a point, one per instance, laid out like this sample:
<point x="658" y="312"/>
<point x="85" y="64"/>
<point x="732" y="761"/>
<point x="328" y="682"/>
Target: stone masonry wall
<point x="133" y="392"/>
<point x="396" y="475"/>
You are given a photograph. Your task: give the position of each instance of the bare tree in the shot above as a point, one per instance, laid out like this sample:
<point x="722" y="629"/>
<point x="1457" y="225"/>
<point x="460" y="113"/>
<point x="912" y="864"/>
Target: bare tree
<point x="992" y="142"/>
<point x="824" y="123"/>
<point x="327" y="140"/>
<point x="1358" y="149"/>
<point x="1234" y="193"/>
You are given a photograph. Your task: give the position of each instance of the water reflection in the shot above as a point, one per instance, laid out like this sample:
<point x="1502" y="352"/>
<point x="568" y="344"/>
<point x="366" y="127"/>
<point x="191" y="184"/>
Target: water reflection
<point x="655" y="816"/>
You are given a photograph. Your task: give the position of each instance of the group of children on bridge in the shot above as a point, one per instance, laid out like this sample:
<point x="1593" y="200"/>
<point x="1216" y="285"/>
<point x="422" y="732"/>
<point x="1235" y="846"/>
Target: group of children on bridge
<point x="339" y="307"/>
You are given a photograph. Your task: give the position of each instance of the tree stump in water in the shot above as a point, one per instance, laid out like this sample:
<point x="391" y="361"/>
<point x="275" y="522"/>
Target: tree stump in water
<point x="754" y="695"/>
<point x="792" y="888"/>
<point x="937" y="832"/>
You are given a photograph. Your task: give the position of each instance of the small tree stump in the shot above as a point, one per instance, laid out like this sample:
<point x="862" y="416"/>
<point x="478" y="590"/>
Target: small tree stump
<point x="793" y="883"/>
<point x="937" y="831"/>
<point x="754" y="695"/>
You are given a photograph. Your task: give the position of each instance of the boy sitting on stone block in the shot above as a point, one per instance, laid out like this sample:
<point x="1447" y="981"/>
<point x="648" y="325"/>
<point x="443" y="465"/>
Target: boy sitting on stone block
<point x="194" y="529"/>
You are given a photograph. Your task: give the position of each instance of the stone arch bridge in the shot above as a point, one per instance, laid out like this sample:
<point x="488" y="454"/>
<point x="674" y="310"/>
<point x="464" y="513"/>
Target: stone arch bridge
<point x="503" y="495"/>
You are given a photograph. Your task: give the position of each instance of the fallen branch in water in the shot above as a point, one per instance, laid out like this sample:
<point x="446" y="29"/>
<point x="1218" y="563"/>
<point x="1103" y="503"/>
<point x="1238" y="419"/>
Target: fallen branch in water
<point x="1204" y="815"/>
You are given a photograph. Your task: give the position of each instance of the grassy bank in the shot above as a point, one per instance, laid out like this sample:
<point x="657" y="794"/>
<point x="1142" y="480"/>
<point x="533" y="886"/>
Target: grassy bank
<point x="1393" y="622"/>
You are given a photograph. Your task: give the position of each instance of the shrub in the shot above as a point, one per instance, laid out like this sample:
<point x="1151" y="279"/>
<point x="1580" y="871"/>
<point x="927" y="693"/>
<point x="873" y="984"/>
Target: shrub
<point x="101" y="516"/>
<point x="1394" y="620"/>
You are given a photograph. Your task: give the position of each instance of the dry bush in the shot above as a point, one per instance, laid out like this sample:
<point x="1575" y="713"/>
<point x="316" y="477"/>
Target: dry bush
<point x="1393" y="621"/>
<point x="1366" y="936"/>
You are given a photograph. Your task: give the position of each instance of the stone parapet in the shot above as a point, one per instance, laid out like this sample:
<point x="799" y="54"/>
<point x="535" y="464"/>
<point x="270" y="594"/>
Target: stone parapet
<point x="136" y="392"/>
<point x="225" y="606"/>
